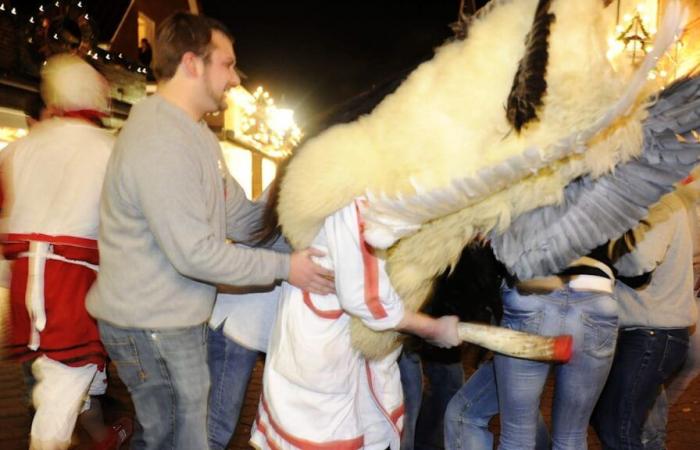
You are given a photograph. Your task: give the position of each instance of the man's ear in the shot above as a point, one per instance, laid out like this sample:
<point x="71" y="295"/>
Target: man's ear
<point x="192" y="65"/>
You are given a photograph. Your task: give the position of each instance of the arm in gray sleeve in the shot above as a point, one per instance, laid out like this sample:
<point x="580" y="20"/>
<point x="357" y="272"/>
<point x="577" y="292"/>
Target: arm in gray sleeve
<point x="169" y="183"/>
<point x="652" y="239"/>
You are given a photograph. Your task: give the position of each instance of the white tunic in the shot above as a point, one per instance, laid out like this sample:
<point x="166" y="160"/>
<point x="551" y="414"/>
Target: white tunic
<point x="318" y="392"/>
<point x="69" y="156"/>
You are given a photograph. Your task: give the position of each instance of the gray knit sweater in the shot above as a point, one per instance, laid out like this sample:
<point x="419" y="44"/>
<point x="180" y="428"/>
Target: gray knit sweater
<point x="664" y="247"/>
<point x="168" y="203"/>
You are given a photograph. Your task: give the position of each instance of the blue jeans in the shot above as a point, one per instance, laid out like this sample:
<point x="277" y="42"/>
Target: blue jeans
<point x="591" y="318"/>
<point x="444" y="380"/>
<point x="654" y="432"/>
<point x="230" y="366"/>
<point x="424" y="411"/>
<point x="167" y="376"/>
<point x="645" y="359"/>
<point x="412" y="384"/>
<point x="472" y="408"/>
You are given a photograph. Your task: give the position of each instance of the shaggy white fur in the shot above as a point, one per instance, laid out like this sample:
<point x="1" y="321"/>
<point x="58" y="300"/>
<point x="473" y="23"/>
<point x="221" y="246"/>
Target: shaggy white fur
<point x="71" y="84"/>
<point x="447" y="120"/>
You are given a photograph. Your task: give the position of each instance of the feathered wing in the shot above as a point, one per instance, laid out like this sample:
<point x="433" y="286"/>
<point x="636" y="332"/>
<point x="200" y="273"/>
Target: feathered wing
<point x="547" y="239"/>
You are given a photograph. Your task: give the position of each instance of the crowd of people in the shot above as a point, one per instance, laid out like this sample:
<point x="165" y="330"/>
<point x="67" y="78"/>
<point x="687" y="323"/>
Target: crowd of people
<point x="193" y="280"/>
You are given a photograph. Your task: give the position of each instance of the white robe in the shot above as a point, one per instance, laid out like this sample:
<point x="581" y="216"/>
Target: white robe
<point x="318" y="392"/>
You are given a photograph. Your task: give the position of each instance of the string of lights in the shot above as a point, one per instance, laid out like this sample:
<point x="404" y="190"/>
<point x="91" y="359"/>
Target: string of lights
<point x="45" y="30"/>
<point x="270" y="129"/>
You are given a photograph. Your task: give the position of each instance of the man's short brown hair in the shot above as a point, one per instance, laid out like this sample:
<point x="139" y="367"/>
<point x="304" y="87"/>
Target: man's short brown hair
<point x="180" y="33"/>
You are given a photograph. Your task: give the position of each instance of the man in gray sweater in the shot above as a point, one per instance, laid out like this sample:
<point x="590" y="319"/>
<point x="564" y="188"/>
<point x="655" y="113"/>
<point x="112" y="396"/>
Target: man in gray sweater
<point x="168" y="204"/>
<point x="657" y="306"/>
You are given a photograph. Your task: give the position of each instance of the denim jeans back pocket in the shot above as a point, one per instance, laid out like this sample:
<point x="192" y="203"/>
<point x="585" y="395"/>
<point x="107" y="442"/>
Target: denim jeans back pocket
<point x="600" y="335"/>
<point x="527" y="321"/>
<point x="125" y="355"/>
<point x="675" y="353"/>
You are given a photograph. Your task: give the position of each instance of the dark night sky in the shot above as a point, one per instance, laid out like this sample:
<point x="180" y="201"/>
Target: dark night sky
<point x="312" y="55"/>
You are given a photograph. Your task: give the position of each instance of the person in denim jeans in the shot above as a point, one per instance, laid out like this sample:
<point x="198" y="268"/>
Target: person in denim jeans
<point x="472" y="290"/>
<point x="645" y="359"/>
<point x="424" y="411"/>
<point x="591" y="318"/>
<point x="654" y="434"/>
<point x="231" y="365"/>
<point x="471" y="409"/>
<point x="654" y="319"/>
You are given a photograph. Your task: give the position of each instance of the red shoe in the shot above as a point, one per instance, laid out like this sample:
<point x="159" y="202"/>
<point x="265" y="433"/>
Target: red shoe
<point x="118" y="434"/>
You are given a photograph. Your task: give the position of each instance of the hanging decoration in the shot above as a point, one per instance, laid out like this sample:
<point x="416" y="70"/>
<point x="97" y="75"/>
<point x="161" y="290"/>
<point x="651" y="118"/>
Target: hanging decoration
<point x="270" y="128"/>
<point x="636" y="39"/>
<point x="61" y="27"/>
<point x="634" y="31"/>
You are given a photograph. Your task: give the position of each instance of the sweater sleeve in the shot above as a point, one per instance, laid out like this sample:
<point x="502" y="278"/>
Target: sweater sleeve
<point x="362" y="284"/>
<point x="170" y="187"/>
<point x="652" y="239"/>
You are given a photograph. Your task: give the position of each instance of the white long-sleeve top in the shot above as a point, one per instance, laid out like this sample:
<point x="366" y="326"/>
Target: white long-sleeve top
<point x="318" y="390"/>
<point x="52" y="179"/>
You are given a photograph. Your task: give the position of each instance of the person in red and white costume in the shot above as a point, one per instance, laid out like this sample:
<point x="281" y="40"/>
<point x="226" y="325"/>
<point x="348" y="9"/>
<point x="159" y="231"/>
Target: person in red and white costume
<point x="318" y="392"/>
<point x="51" y="183"/>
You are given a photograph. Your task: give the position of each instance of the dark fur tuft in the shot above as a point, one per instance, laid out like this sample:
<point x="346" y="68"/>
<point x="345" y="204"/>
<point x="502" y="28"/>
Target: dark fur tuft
<point x="529" y="84"/>
<point x="472" y="290"/>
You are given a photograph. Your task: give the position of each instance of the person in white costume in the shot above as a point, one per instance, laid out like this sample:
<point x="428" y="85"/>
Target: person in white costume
<point x="318" y="392"/>
<point x="51" y="185"/>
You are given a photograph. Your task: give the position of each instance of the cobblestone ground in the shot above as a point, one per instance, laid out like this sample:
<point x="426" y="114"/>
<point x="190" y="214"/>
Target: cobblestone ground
<point x="683" y="420"/>
<point x="15" y="418"/>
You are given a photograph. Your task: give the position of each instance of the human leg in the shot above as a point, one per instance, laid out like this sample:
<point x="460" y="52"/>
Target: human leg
<point x="58" y="396"/>
<point x="470" y="410"/>
<point x="520" y="382"/>
<point x="444" y="378"/>
<point x="167" y="376"/>
<point x="591" y="318"/>
<point x="230" y="366"/>
<point x="645" y="358"/>
<point x="185" y="355"/>
<point x="654" y="432"/>
<point x="412" y="384"/>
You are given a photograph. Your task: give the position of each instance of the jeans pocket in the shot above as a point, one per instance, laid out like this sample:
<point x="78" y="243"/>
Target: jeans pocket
<point x="600" y="335"/>
<point x="125" y="356"/>
<point x="518" y="320"/>
<point x="675" y="353"/>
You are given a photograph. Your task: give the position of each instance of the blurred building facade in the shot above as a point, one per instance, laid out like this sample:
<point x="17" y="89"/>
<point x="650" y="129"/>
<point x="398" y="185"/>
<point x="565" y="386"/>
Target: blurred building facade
<point x="254" y="133"/>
